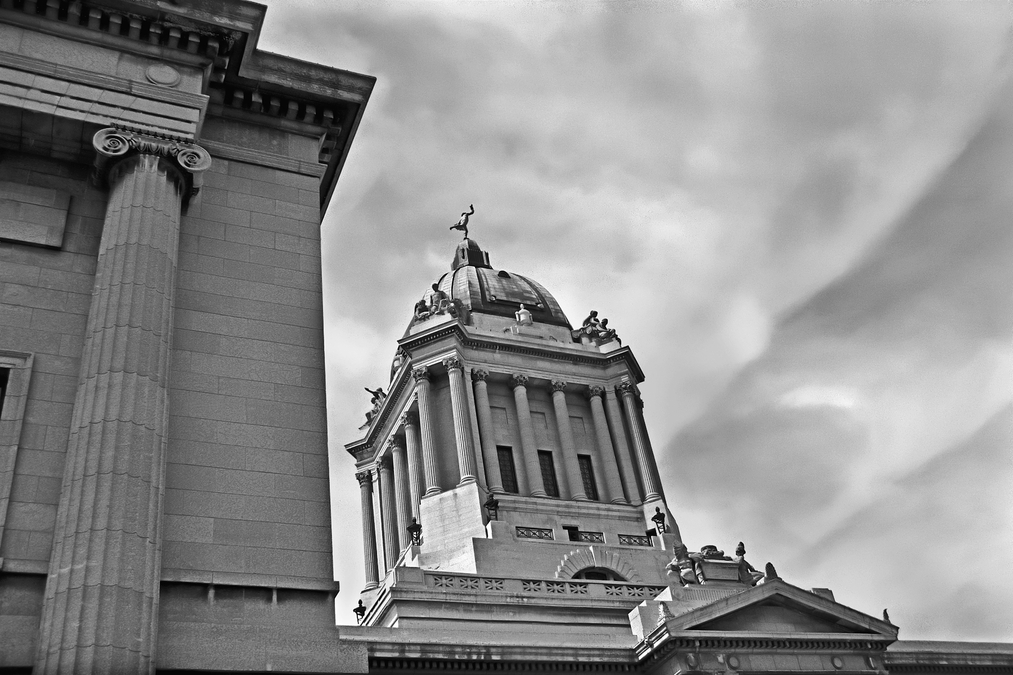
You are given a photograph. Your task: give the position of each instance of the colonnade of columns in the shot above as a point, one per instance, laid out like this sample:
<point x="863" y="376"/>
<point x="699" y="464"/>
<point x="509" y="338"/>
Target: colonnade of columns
<point x="409" y="469"/>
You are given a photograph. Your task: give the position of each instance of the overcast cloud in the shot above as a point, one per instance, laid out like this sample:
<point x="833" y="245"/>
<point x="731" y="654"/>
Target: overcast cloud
<point x="797" y="216"/>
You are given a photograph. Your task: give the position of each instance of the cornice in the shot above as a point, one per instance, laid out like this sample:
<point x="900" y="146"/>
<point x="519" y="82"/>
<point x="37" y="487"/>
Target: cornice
<point x="471" y="341"/>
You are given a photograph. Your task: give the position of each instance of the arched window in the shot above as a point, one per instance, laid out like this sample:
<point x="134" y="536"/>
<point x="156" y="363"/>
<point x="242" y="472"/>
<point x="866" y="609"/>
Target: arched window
<point x="598" y="574"/>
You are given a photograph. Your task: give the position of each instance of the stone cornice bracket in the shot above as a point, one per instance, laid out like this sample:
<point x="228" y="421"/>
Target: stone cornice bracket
<point x="112" y="145"/>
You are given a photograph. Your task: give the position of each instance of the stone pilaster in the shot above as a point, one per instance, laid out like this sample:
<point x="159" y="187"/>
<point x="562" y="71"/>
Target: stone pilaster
<point x="413" y="443"/>
<point x="529" y="448"/>
<point x="388" y="513"/>
<point x="644" y="459"/>
<point x="101" y="603"/>
<point x="567" y="445"/>
<point x="462" y="423"/>
<point x="432" y="476"/>
<point x="401" y="492"/>
<point x="606" y="451"/>
<point x="629" y="475"/>
<point x="365" y="479"/>
<point x="486" y="431"/>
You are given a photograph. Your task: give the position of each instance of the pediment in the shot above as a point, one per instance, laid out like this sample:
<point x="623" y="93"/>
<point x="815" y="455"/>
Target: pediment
<point x="779" y="608"/>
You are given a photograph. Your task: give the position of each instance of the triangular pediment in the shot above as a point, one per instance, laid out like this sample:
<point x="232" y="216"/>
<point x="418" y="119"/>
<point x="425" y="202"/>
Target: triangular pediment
<point x="779" y="608"/>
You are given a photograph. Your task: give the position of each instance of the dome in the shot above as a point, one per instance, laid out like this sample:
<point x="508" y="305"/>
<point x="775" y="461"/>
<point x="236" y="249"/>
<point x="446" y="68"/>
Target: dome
<point x="484" y="290"/>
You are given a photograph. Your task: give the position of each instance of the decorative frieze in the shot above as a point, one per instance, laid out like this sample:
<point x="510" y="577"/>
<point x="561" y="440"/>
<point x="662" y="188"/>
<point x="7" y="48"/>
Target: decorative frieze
<point x="534" y="533"/>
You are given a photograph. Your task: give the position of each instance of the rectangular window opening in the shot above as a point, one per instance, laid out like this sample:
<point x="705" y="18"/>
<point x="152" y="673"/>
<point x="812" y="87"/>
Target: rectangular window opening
<point x="4" y="377"/>
<point x="587" y="476"/>
<point x="507" y="471"/>
<point x="548" y="473"/>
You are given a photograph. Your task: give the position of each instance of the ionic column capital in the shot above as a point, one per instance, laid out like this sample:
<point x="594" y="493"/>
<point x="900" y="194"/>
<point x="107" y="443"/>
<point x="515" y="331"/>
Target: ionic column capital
<point x="114" y="144"/>
<point x="557" y="385"/>
<point x="519" y="380"/>
<point x="421" y="373"/>
<point x="479" y="374"/>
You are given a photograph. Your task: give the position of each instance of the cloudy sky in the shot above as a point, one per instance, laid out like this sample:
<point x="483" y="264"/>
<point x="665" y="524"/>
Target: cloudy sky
<point x="797" y="216"/>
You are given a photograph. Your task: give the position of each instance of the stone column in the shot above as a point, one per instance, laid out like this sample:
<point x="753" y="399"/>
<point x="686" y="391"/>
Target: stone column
<point x="629" y="393"/>
<point x="432" y="476"/>
<point x="368" y="530"/>
<point x="487" y="432"/>
<point x="529" y="448"/>
<point x="462" y="424"/>
<point x="401" y="494"/>
<point x="607" y="453"/>
<point x="569" y="448"/>
<point x="413" y="443"/>
<point x="101" y="601"/>
<point x="388" y="512"/>
<point x="615" y="417"/>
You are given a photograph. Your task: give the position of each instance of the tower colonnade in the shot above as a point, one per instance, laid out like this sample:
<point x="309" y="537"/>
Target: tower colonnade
<point x="618" y="460"/>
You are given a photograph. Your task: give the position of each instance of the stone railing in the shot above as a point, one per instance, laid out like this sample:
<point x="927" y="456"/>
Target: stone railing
<point x="635" y="540"/>
<point x="615" y="590"/>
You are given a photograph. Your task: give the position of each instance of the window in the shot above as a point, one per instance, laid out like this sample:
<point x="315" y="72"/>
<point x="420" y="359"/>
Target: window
<point x="4" y="375"/>
<point x="587" y="476"/>
<point x="548" y="473"/>
<point x="598" y="574"/>
<point x="507" y="471"/>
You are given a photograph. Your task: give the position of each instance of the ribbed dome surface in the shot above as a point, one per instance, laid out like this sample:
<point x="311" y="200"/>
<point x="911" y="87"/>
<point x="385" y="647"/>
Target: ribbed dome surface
<point x="484" y="290"/>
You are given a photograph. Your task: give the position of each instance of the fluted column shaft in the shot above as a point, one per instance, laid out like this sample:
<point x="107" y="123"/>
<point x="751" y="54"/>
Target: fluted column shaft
<point x="401" y="494"/>
<point x="606" y="451"/>
<point x="529" y="447"/>
<point x="462" y="424"/>
<point x="413" y="443"/>
<point x="368" y="529"/>
<point x="101" y="600"/>
<point x="388" y="512"/>
<point x="486" y="432"/>
<point x="644" y="459"/>
<point x="569" y="448"/>
<point x="615" y="417"/>
<point x="432" y="476"/>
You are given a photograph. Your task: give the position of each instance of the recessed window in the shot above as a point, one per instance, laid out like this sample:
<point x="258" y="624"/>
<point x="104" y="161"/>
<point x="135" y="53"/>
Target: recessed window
<point x="598" y="574"/>
<point x="587" y="476"/>
<point x="548" y="473"/>
<point x="4" y="377"/>
<point x="507" y="471"/>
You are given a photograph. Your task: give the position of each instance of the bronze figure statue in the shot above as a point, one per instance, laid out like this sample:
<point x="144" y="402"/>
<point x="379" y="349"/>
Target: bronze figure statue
<point x="462" y="224"/>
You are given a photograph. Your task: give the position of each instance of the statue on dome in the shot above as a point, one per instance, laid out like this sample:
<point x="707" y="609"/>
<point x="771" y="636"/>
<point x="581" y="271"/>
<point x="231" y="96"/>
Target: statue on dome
<point x="595" y="331"/>
<point x="747" y="573"/>
<point x="462" y="224"/>
<point x="523" y="316"/>
<point x="439" y="302"/>
<point x="683" y="567"/>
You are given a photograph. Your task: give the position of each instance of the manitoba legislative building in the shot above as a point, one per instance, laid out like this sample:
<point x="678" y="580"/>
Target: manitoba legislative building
<point x="164" y="490"/>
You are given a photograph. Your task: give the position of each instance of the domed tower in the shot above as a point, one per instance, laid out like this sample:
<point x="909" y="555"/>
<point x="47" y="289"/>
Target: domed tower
<point x="517" y="443"/>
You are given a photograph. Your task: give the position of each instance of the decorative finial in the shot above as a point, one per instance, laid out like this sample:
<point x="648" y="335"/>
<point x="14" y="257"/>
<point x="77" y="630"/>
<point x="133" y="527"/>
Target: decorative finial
<point x="462" y="224"/>
<point x="886" y="615"/>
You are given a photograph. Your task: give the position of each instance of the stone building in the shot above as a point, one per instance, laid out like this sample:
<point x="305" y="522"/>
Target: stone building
<point x="163" y="458"/>
<point x="163" y="452"/>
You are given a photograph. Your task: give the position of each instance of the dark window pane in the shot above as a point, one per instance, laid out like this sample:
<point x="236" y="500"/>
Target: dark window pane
<point x="506" y="468"/>
<point x="587" y="475"/>
<point x="548" y="473"/>
<point x="4" y="373"/>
